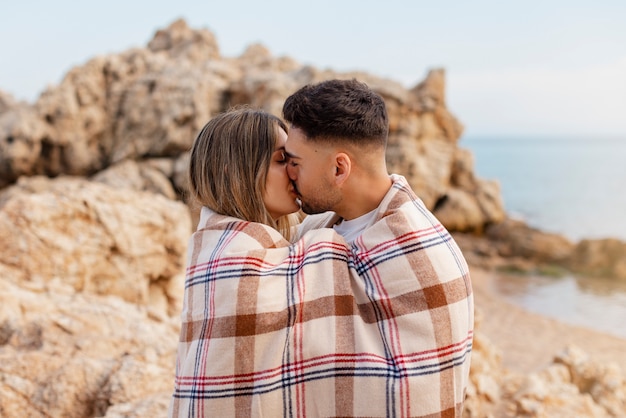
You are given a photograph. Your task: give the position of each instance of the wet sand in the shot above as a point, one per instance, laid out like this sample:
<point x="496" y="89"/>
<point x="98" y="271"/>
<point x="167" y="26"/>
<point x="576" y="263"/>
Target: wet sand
<point x="528" y="341"/>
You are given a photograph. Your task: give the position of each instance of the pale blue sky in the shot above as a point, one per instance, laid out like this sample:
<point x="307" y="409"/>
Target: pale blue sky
<point x="513" y="68"/>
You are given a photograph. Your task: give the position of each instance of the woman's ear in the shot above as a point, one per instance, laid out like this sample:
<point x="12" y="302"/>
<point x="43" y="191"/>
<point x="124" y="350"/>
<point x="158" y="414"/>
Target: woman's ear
<point x="343" y="167"/>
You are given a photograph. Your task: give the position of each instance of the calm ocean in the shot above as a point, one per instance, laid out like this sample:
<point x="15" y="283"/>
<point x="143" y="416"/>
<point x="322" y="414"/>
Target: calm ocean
<point x="572" y="186"/>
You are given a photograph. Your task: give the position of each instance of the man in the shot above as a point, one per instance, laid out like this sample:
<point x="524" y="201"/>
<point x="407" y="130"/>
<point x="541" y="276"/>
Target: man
<point x="412" y="340"/>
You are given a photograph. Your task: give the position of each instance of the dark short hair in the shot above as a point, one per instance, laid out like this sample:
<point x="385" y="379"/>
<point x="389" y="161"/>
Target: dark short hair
<point x="344" y="110"/>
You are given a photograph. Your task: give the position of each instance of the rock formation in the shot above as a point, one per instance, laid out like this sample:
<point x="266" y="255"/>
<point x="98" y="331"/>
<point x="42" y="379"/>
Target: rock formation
<point x="150" y="103"/>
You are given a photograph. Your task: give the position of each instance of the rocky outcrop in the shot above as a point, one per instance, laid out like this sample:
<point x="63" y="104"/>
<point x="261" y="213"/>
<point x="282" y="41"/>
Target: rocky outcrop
<point x="91" y="279"/>
<point x="423" y="147"/>
<point x="513" y="245"/>
<point x="95" y="239"/>
<point x="573" y="385"/>
<point x="150" y="103"/>
<point x="515" y="239"/>
<point x="71" y="354"/>
<point x="599" y="257"/>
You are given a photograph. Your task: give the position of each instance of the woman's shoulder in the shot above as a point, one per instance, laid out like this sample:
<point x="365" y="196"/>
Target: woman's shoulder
<point x="214" y="226"/>
<point x="313" y="222"/>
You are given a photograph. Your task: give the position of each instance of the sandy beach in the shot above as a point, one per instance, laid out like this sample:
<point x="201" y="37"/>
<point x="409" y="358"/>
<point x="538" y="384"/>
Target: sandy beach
<point x="528" y="341"/>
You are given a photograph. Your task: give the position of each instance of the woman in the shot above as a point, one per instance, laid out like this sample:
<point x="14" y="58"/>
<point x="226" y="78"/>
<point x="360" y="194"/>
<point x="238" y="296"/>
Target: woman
<point x="246" y="285"/>
<point x="237" y="168"/>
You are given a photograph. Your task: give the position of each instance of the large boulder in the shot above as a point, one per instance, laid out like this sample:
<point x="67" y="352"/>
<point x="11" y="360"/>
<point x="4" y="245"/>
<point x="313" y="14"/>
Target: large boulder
<point x="599" y="257"/>
<point x="70" y="354"/>
<point x="24" y="142"/>
<point x="95" y="238"/>
<point x="151" y="102"/>
<point x="516" y="238"/>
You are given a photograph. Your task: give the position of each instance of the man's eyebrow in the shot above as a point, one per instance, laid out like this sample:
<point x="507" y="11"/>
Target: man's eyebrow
<point x="290" y="155"/>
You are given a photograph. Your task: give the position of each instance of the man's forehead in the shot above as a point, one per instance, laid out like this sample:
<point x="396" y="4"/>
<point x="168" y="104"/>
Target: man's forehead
<point x="291" y="147"/>
<point x="295" y="146"/>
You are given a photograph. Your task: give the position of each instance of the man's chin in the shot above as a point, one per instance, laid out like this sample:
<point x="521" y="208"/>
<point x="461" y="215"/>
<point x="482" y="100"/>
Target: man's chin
<point x="304" y="207"/>
<point x="310" y="210"/>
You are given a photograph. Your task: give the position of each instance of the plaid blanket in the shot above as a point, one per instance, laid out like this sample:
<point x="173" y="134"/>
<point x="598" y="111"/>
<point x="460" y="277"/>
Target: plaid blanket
<point x="319" y="328"/>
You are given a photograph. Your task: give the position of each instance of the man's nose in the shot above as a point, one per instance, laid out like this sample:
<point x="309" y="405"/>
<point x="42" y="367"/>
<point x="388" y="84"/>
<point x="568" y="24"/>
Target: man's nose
<point x="291" y="172"/>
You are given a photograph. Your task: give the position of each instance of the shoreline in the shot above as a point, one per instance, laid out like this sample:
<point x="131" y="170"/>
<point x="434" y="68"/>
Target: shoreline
<point x="529" y="341"/>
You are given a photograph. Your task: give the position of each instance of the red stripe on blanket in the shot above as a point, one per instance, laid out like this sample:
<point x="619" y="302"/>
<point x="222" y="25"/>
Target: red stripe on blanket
<point x="411" y="359"/>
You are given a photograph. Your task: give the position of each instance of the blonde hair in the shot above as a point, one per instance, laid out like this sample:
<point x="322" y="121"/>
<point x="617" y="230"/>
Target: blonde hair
<point x="229" y="162"/>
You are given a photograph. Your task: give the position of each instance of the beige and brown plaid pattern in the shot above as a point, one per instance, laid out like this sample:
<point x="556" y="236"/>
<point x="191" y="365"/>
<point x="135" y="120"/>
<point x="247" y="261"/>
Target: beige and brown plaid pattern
<point x="319" y="328"/>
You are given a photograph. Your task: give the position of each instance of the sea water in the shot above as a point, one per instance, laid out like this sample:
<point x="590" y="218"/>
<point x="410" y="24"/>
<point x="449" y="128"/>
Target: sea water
<point x="575" y="187"/>
<point x="572" y="186"/>
<point x="595" y="303"/>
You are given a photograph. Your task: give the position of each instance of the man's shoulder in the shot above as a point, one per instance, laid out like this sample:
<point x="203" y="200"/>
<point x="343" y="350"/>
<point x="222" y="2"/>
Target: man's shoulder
<point x="401" y="196"/>
<point x="404" y="209"/>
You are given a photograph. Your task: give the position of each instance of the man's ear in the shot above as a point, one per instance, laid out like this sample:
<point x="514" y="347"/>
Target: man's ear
<point x="343" y="167"/>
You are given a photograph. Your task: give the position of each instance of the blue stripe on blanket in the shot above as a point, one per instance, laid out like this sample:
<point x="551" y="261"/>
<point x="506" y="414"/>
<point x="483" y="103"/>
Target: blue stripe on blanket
<point x="363" y="266"/>
<point x="288" y="380"/>
<point x="281" y="270"/>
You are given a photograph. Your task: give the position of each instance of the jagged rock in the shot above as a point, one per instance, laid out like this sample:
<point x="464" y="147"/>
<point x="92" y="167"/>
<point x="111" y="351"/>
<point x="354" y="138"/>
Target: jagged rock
<point x="573" y="386"/>
<point x="151" y="102"/>
<point x="93" y="237"/>
<point x="599" y="257"/>
<point x="605" y="383"/>
<point x="515" y="238"/>
<point x="161" y="113"/>
<point x="487" y="375"/>
<point x="179" y="41"/>
<point x="78" y="121"/>
<point x="179" y="174"/>
<point x="464" y="211"/>
<point x="422" y="146"/>
<point x="24" y="140"/>
<point x="430" y="94"/>
<point x="81" y="353"/>
<point x="459" y="210"/>
<point x="7" y="101"/>
<point x="142" y="176"/>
